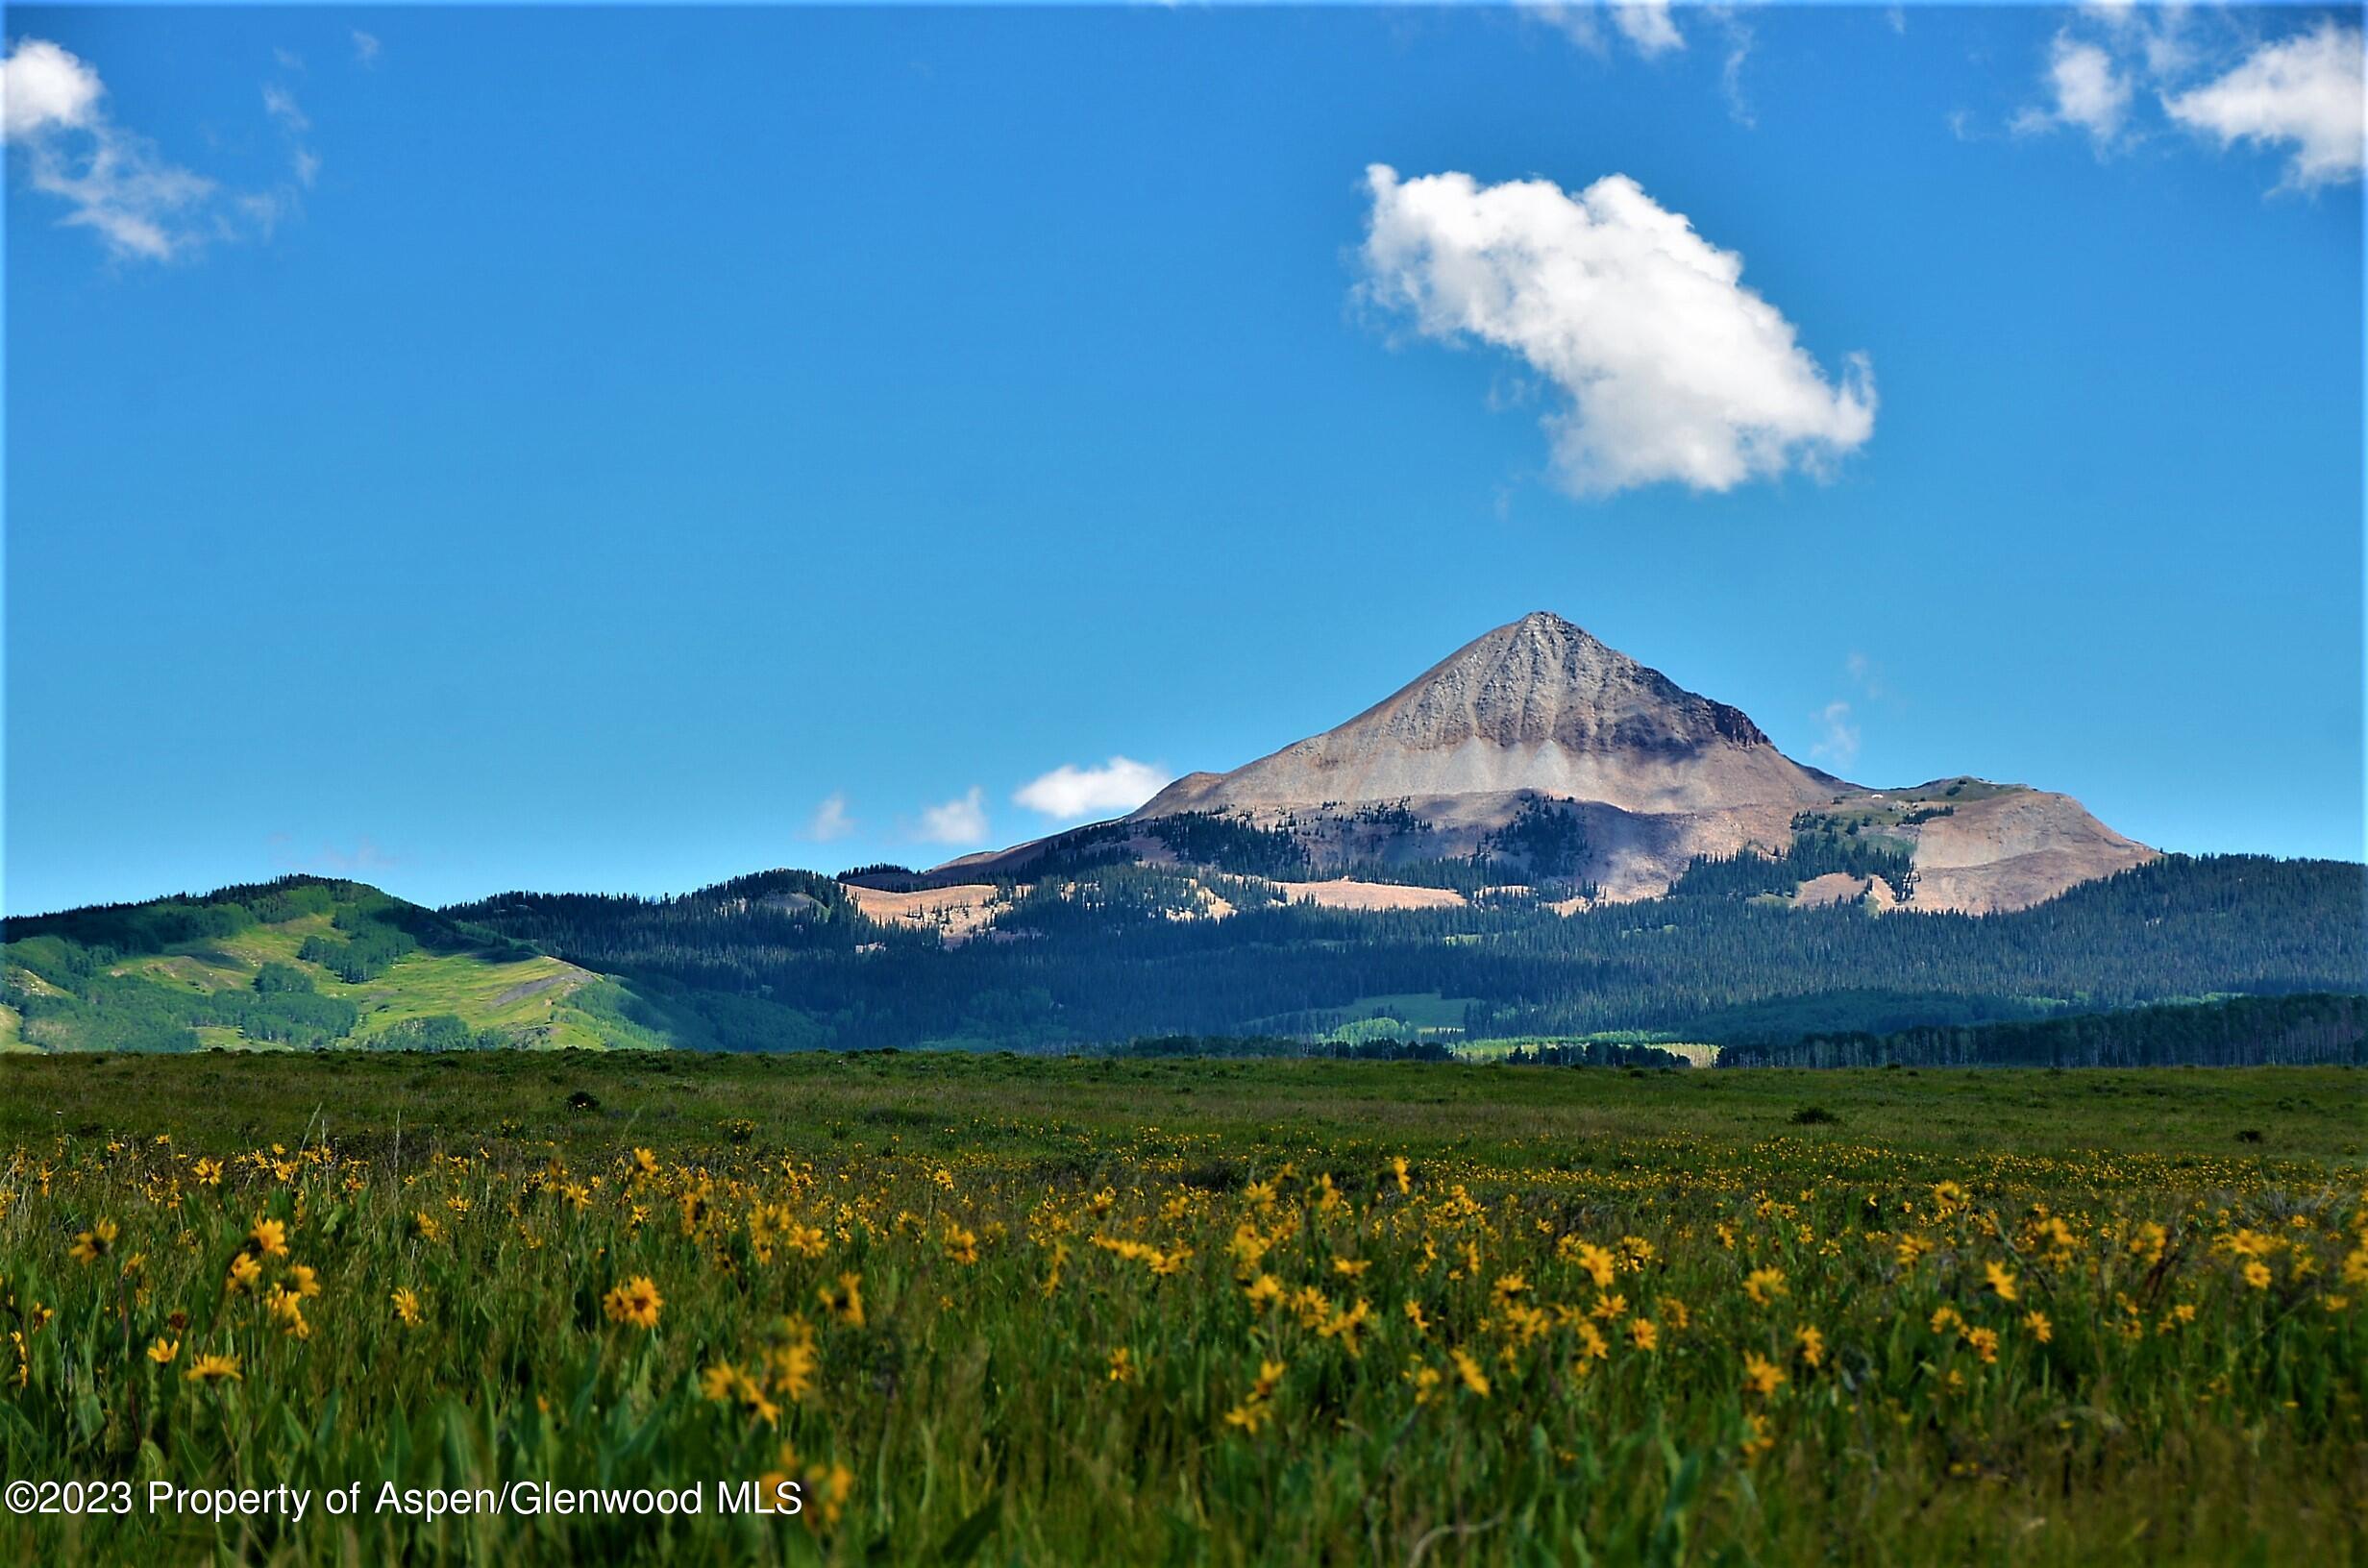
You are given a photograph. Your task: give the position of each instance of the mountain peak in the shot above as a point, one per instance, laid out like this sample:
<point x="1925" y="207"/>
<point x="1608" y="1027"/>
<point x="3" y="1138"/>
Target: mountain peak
<point x="1544" y="679"/>
<point x="1537" y="704"/>
<point x="1547" y="622"/>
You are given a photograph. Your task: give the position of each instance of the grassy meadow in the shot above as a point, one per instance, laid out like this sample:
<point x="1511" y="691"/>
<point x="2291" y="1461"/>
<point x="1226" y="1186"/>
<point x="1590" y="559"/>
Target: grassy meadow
<point x="999" y="1309"/>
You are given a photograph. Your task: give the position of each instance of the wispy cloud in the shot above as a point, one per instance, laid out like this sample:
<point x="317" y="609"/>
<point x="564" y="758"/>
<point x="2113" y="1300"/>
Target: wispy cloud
<point x="1646" y="25"/>
<point x="2299" y="95"/>
<point x="1864" y="671"/>
<point x="362" y="858"/>
<point x="303" y="164"/>
<point x="1838" y="736"/>
<point x="114" y="182"/>
<point x="52" y="105"/>
<point x="830" y="820"/>
<point x="280" y="104"/>
<point x="1739" y="39"/>
<point x="1068" y="791"/>
<point x="365" y="48"/>
<point x="1670" y="369"/>
<point x="957" y="821"/>
<point x="1838" y="721"/>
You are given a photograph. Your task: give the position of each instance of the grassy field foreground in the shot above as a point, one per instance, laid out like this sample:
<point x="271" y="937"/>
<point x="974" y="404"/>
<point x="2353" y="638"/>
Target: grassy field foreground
<point x="993" y="1310"/>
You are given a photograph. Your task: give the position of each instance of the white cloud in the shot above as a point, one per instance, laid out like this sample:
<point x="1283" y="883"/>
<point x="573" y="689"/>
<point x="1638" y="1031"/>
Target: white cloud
<point x="2089" y="91"/>
<point x="830" y="820"/>
<point x="2301" y="94"/>
<point x="963" y="820"/>
<point x="1673" y="370"/>
<point x="2304" y="93"/>
<point x="43" y="87"/>
<point x="1068" y="791"/>
<point x="365" y="48"/>
<point x="1837" y="740"/>
<point x="112" y="180"/>
<point x="1646" y="24"/>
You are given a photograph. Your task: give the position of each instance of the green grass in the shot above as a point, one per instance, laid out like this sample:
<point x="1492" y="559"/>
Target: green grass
<point x="1055" y="1107"/>
<point x="532" y="1000"/>
<point x="1015" y="1224"/>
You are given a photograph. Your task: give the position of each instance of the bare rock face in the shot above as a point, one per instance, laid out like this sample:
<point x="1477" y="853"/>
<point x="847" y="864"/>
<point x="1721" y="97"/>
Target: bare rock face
<point x="2013" y="850"/>
<point x="1539" y="716"/>
<point x="1537" y="705"/>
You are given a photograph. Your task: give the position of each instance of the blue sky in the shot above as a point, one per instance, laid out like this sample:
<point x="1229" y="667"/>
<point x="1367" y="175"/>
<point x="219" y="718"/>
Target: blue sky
<point x="573" y="449"/>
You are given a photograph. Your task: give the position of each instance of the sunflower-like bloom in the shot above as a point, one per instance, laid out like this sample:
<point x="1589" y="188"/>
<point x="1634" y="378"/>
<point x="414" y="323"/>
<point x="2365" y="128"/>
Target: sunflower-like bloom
<point x="636" y="1301"/>
<point x="214" y="1370"/>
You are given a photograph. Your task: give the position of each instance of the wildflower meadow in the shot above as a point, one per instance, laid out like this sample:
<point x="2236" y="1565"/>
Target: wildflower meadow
<point x="1008" y="1311"/>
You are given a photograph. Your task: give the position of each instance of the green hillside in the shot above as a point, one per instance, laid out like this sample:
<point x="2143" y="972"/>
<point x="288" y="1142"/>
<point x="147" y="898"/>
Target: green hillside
<point x="1098" y="956"/>
<point x="298" y="964"/>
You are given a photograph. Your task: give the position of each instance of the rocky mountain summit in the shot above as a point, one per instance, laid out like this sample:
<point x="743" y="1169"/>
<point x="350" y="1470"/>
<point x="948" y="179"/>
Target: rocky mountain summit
<point x="1537" y="705"/>
<point x="1561" y="765"/>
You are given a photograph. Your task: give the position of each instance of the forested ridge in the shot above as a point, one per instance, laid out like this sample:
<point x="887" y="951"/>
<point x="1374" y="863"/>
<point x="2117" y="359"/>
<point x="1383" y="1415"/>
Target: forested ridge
<point x="2235" y="1031"/>
<point x="1101" y="955"/>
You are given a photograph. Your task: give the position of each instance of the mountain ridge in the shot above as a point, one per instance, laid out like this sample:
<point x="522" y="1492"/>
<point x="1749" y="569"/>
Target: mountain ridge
<point x="1539" y="715"/>
<point x="787" y="960"/>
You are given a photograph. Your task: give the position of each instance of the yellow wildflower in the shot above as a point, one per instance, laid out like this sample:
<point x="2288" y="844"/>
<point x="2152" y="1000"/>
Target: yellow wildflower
<point x="214" y="1370"/>
<point x="93" y="1243"/>
<point x="846" y="1302"/>
<point x="635" y="1302"/>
